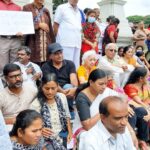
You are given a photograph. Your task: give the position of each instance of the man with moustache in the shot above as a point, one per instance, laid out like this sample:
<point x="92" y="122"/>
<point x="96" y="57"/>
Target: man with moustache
<point x="31" y="71"/>
<point x="111" y="132"/>
<point x="9" y="44"/>
<point x="16" y="96"/>
<point x="67" y="28"/>
<point x="64" y="70"/>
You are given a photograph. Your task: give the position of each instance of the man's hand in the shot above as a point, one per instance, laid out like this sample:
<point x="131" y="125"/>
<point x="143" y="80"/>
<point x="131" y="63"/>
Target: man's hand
<point x="19" y="34"/>
<point x="36" y="76"/>
<point x="44" y="27"/>
<point x="124" y="67"/>
<point x="71" y="92"/>
<point x="29" y="70"/>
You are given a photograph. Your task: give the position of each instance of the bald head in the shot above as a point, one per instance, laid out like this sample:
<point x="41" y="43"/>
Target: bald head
<point x="111" y="102"/>
<point x="114" y="114"/>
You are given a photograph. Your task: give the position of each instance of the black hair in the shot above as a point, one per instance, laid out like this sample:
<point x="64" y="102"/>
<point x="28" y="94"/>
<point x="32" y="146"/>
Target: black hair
<point x="10" y="68"/>
<point x="139" y="53"/>
<point x="121" y="47"/>
<point x="103" y="107"/>
<point x="110" y="18"/>
<point x="136" y="74"/>
<point x="140" y="46"/>
<point x="23" y="120"/>
<point x="94" y="75"/>
<point x="90" y="12"/>
<point x="86" y="10"/>
<point x="45" y="79"/>
<point x="125" y="49"/>
<point x="115" y="21"/>
<point x="26" y="49"/>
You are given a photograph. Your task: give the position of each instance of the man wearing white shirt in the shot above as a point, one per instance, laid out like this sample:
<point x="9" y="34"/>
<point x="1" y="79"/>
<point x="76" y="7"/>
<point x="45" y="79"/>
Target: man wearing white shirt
<point x="111" y="63"/>
<point x="31" y="71"/>
<point x="111" y="132"/>
<point x="67" y="28"/>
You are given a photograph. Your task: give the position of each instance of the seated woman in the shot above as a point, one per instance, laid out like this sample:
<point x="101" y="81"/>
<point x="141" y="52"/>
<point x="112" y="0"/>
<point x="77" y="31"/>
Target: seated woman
<point x="54" y="109"/>
<point x="128" y="58"/>
<point x="88" y="65"/>
<point x="26" y="133"/>
<point x="139" y="91"/>
<point x="88" y="97"/>
<point x="91" y="33"/>
<point x="141" y="56"/>
<point x="120" y="51"/>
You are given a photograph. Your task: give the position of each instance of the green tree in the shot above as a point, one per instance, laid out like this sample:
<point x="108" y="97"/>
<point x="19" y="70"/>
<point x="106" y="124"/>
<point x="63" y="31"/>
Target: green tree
<point x="135" y="18"/>
<point x="147" y="19"/>
<point x="56" y="3"/>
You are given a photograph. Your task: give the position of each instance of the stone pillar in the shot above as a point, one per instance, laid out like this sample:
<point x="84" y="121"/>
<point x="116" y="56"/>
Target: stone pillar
<point x="115" y="7"/>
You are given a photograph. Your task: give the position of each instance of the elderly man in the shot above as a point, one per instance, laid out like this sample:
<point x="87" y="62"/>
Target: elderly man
<point x="15" y="97"/>
<point x="111" y="132"/>
<point x="110" y="62"/>
<point x="64" y="70"/>
<point x="67" y="27"/>
<point x="8" y="44"/>
<point x="31" y="71"/>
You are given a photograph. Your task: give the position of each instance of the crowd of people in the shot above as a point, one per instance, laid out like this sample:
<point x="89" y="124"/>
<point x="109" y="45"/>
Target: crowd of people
<point x="69" y="85"/>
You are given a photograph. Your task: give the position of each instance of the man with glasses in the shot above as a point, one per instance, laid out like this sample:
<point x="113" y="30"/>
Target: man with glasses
<point x="16" y="96"/>
<point x="111" y="62"/>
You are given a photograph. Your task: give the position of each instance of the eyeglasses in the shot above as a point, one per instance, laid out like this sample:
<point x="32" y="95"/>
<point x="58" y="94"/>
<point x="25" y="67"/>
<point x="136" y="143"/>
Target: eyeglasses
<point x="15" y="76"/>
<point x="113" y="50"/>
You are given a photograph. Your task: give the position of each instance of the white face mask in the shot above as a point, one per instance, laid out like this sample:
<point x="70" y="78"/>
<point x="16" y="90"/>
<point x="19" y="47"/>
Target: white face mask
<point x="91" y="19"/>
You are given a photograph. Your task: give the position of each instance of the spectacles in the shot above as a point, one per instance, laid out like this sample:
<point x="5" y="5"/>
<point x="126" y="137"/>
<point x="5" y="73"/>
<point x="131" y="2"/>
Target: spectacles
<point x="15" y="76"/>
<point x="113" y="50"/>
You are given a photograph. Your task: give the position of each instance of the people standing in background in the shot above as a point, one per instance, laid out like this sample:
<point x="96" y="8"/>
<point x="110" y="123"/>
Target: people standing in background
<point x="140" y="35"/>
<point x="111" y="32"/>
<point x="67" y="28"/>
<point x="44" y="34"/>
<point x="9" y="44"/>
<point x="91" y="33"/>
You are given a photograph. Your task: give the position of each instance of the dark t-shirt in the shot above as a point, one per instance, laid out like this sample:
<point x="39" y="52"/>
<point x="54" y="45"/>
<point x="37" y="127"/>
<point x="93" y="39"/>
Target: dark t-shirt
<point x="83" y="106"/>
<point x="63" y="74"/>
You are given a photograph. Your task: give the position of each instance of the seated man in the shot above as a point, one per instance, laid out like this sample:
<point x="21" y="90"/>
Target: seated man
<point x="111" y="132"/>
<point x="15" y="97"/>
<point x="31" y="71"/>
<point x="64" y="70"/>
<point x="110" y="62"/>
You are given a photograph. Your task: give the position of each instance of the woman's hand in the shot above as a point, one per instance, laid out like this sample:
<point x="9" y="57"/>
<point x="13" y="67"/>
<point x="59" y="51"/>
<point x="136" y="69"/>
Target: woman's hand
<point x="131" y="112"/>
<point x="47" y="132"/>
<point x="69" y="137"/>
<point x="147" y="117"/>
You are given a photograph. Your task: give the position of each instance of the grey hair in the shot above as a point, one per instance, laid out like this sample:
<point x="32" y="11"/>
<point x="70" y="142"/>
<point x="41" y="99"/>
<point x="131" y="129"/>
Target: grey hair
<point x="87" y="54"/>
<point x="111" y="44"/>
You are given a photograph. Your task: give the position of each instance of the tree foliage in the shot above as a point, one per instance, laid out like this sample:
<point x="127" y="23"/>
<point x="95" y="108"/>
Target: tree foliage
<point x="136" y="19"/>
<point x="58" y="2"/>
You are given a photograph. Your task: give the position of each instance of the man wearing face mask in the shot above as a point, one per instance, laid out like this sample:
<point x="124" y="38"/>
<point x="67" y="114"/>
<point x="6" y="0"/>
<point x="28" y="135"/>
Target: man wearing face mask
<point x="15" y="97"/>
<point x="67" y="28"/>
<point x="91" y="33"/>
